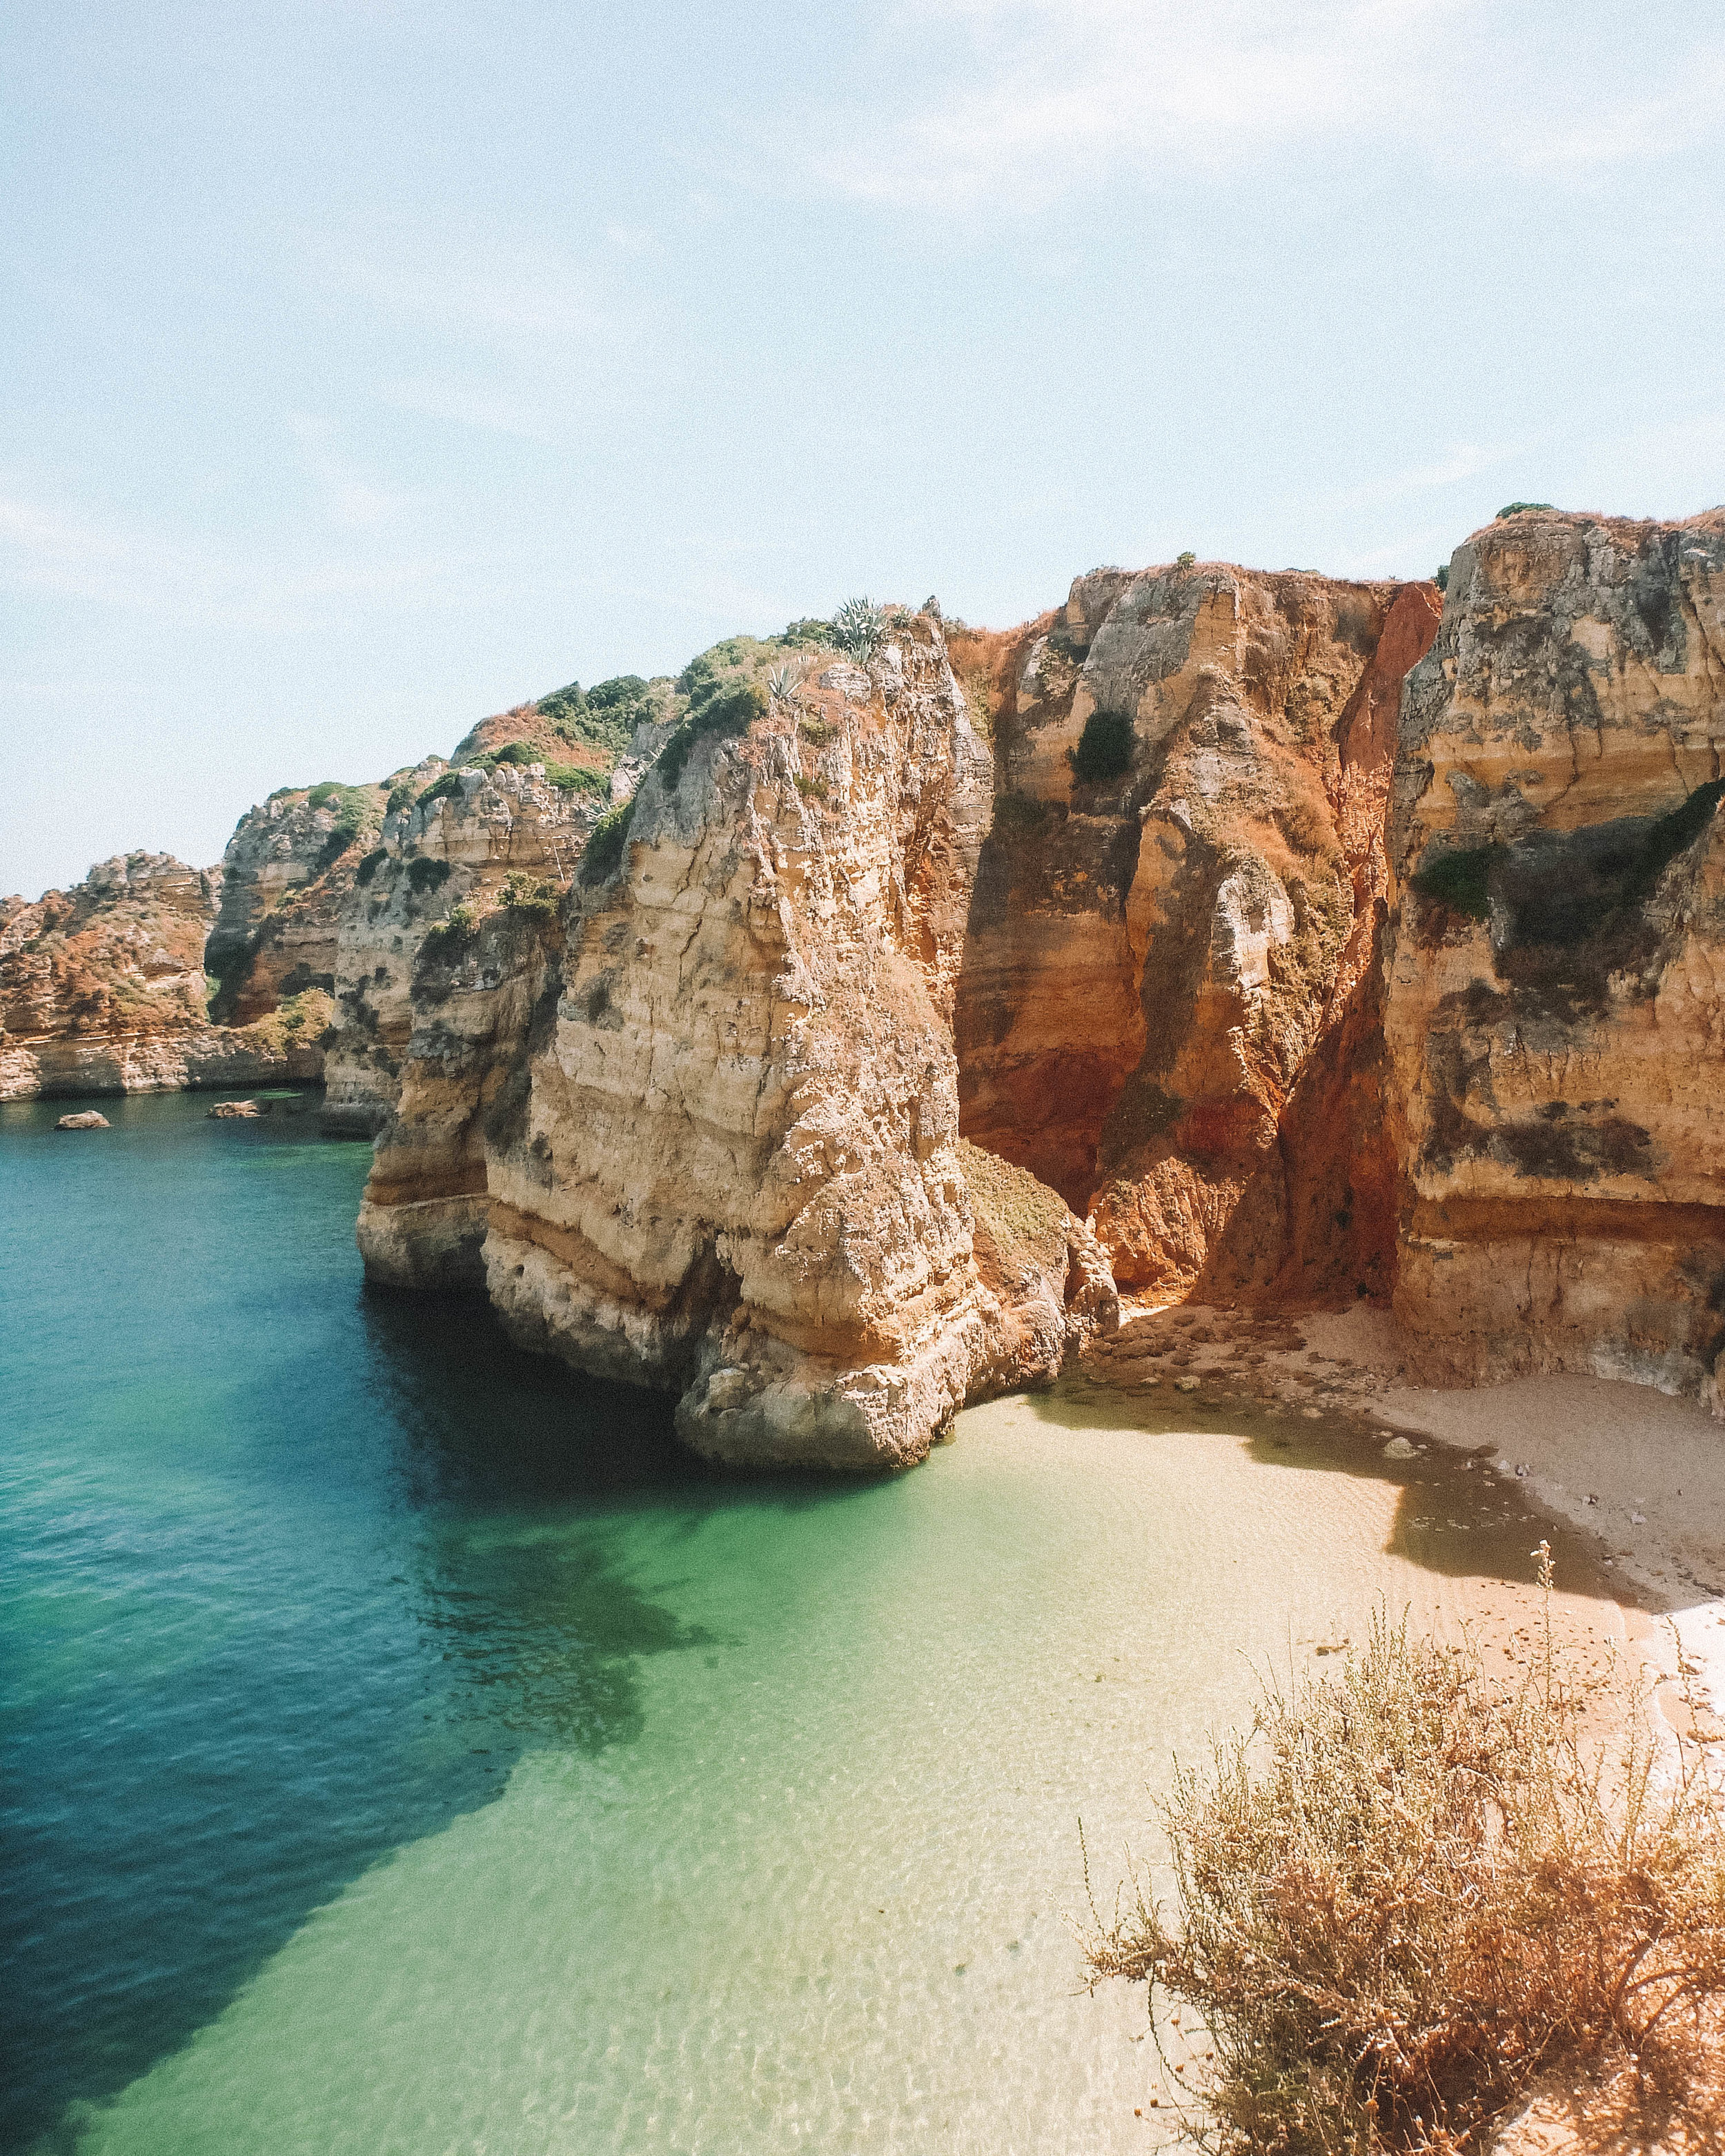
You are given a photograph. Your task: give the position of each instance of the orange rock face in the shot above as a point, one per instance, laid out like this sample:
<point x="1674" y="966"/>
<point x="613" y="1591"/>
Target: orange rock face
<point x="102" y="988"/>
<point x="1554" y="1015"/>
<point x="1165" y="1008"/>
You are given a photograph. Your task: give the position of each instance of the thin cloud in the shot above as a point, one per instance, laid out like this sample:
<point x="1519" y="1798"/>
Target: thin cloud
<point x="353" y="501"/>
<point x="1033" y="100"/>
<point x="113" y="564"/>
<point x="499" y="289"/>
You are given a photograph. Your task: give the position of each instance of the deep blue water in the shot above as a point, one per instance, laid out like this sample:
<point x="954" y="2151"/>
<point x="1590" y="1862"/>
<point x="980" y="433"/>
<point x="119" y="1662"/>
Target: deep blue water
<point x="254" y="1634"/>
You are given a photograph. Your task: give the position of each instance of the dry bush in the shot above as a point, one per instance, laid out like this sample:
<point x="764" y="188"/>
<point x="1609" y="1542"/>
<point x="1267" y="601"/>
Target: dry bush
<point x="1412" y="1889"/>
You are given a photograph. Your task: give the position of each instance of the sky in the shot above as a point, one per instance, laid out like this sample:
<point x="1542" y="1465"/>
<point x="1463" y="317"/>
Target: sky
<point x="372" y="365"/>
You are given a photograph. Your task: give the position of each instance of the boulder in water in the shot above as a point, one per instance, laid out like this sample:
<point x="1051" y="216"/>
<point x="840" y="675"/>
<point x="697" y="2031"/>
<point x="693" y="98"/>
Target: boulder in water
<point x="224" y="1110"/>
<point x="88" y="1121"/>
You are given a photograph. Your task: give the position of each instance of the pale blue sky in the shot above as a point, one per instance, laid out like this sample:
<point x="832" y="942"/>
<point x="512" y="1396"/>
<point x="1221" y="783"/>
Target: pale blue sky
<point x="374" y="366"/>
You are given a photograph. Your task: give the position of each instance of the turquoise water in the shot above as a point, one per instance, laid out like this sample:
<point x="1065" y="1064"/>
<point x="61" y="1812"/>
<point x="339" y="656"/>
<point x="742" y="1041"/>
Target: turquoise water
<point x="409" y="1750"/>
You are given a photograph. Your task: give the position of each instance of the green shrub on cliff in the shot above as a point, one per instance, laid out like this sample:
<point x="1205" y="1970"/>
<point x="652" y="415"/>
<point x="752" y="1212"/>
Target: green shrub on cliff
<point x="603" y="716"/>
<point x="446" y="937"/>
<point x="537" y="896"/>
<point x="1519" y="509"/>
<point x="424" y="873"/>
<point x="446" y="787"/>
<point x="577" y="778"/>
<point x="858" y="628"/>
<point x="1105" y="748"/>
<point x="721" y="710"/>
<point x="603" y="852"/>
<point x="356" y="811"/>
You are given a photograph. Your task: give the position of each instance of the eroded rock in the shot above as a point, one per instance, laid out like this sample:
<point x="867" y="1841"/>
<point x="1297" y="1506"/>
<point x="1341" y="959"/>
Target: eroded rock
<point x="102" y="988"/>
<point x="1167" y="1009"/>
<point x="1553" y="1014"/>
<point x="700" y="1128"/>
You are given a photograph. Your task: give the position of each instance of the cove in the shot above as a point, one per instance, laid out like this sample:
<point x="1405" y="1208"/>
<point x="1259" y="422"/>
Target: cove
<point x="410" y="1749"/>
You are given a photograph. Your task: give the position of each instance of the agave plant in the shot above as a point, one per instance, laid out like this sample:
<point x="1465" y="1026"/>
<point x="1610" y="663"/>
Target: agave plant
<point x="784" y="682"/>
<point x="858" y="628"/>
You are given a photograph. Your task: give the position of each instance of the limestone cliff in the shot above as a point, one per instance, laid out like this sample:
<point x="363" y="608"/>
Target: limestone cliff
<point x="1553" y="1014"/>
<point x="1166" y="1005"/>
<point x="452" y="841"/>
<point x="102" y="990"/>
<point x="668" y="1001"/>
<point x="525" y="787"/>
<point x="699" y="1125"/>
<point x="285" y="876"/>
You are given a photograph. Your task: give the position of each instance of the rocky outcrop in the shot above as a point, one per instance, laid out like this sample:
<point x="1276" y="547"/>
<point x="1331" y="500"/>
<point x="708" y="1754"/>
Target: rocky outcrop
<point x="1165" y="1009"/>
<point x="1045" y="1271"/>
<point x="286" y="876"/>
<point x="452" y="841"/>
<point x="668" y="1001"/>
<point x="102" y="989"/>
<point x="699" y="1127"/>
<point x="1554" y="1015"/>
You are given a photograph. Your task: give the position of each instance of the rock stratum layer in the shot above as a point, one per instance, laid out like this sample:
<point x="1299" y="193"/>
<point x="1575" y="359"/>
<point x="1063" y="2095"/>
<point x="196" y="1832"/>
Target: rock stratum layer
<point x="1555" y="986"/>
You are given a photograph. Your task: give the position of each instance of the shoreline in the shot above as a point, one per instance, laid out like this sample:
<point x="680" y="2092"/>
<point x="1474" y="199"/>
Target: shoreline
<point x="1637" y="1474"/>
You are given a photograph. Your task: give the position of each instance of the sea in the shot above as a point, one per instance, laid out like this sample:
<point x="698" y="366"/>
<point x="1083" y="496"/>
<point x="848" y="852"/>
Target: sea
<point x="410" y="1751"/>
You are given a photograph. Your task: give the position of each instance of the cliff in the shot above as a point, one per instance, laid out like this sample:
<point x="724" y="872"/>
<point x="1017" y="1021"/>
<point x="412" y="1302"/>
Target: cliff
<point x="525" y="787"/>
<point x="695" y="1121"/>
<point x="821" y="1036"/>
<point x="151" y="975"/>
<point x="102" y="989"/>
<point x="448" y="847"/>
<point x="1553" y="1003"/>
<point x="1166" y="1002"/>
<point x="285" y="876"/>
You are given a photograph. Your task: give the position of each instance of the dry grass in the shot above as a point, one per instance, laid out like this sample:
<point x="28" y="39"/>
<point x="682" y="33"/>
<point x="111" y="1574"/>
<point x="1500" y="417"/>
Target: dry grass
<point x="1412" y="1893"/>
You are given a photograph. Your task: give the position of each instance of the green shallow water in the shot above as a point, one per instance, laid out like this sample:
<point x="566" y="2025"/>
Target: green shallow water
<point x="409" y="1750"/>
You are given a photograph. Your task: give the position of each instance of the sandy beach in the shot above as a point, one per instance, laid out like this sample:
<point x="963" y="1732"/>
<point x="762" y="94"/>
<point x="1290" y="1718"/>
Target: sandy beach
<point x="1640" y="1476"/>
<point x="1633" y="1484"/>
